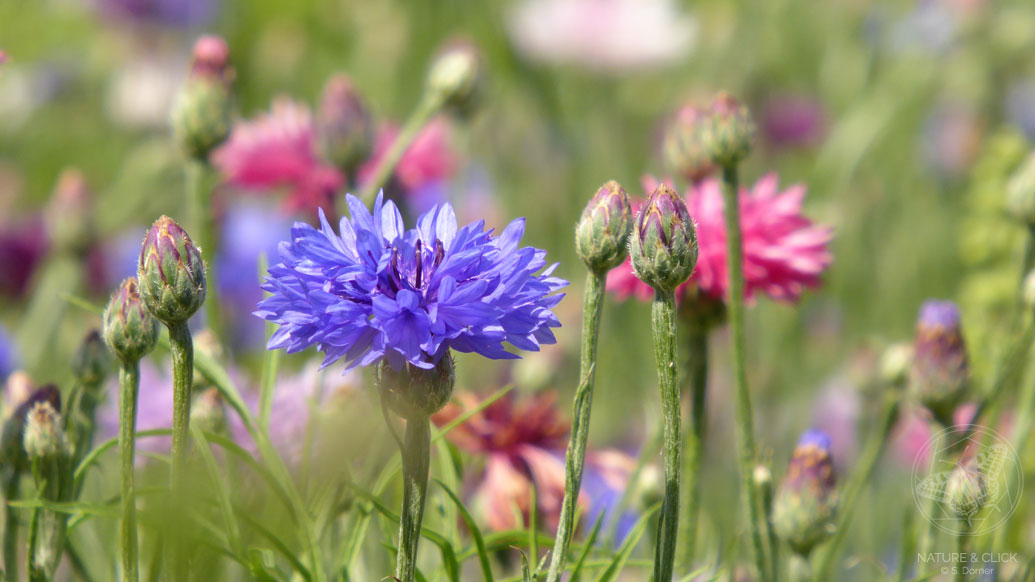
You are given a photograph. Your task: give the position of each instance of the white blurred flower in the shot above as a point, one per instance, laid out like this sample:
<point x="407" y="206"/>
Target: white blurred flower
<point x="141" y="94"/>
<point x="603" y="35"/>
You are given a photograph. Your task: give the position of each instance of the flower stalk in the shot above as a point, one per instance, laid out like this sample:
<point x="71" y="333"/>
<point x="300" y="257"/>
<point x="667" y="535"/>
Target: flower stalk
<point x="663" y="324"/>
<point x="744" y="414"/>
<point x="428" y="107"/>
<point x="129" y="384"/>
<point x="416" y="456"/>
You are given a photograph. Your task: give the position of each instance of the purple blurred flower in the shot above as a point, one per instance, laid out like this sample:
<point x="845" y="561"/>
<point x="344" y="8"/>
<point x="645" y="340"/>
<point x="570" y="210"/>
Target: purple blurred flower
<point x="168" y="13"/>
<point x="603" y="35"/>
<point x="793" y="121"/>
<point x="524" y="441"/>
<point x="951" y="139"/>
<point x="836" y="413"/>
<point x="23" y="244"/>
<point x="940" y="376"/>
<point x="380" y="292"/>
<point x="8" y="354"/>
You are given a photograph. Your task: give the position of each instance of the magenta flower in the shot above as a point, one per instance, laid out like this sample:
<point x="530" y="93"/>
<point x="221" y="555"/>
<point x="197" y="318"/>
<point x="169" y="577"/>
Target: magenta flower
<point x="784" y="252"/>
<point x="524" y="440"/>
<point x="278" y="150"/>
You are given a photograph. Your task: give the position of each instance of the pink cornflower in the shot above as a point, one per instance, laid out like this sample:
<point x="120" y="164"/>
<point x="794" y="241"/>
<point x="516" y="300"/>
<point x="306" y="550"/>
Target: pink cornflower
<point x="524" y="440"/>
<point x="278" y="150"/>
<point x="784" y="252"/>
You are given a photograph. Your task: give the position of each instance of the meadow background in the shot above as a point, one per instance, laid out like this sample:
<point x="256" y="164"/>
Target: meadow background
<point x="916" y="112"/>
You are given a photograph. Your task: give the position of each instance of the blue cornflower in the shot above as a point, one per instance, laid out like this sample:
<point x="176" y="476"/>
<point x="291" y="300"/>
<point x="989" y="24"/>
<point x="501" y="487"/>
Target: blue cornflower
<point x="378" y="292"/>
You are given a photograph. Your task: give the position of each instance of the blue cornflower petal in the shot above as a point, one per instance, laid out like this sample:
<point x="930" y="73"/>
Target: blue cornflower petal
<point x="376" y="291"/>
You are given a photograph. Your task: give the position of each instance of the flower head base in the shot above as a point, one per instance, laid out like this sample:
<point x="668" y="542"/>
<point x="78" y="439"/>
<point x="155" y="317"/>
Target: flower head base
<point x="602" y="235"/>
<point x="728" y="132"/>
<point x="684" y="149"/>
<point x="344" y="125"/>
<point x="378" y="292"/>
<point x="201" y="113"/>
<point x="91" y="361"/>
<point x="417" y="392"/>
<point x="456" y="78"/>
<point x="784" y="252"/>
<point x="664" y="244"/>
<point x="941" y="371"/>
<point x="171" y="273"/>
<point x="804" y="508"/>
<point x="129" y="328"/>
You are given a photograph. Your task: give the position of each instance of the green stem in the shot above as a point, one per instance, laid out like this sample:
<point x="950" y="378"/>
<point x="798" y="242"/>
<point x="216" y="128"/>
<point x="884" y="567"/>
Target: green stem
<point x="593" y="306"/>
<point x="420" y="117"/>
<point x="202" y="223"/>
<point x="182" y="349"/>
<point x="744" y="414"/>
<point x="693" y="443"/>
<point x="853" y="489"/>
<point x="663" y="324"/>
<point x="963" y="549"/>
<point x="416" y="455"/>
<point x="129" y="383"/>
<point x="930" y="533"/>
<point x="11" y="526"/>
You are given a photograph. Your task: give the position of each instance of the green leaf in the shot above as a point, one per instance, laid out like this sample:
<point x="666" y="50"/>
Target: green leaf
<point x="476" y="534"/>
<point x="222" y="492"/>
<point x="627" y="546"/>
<point x="576" y="569"/>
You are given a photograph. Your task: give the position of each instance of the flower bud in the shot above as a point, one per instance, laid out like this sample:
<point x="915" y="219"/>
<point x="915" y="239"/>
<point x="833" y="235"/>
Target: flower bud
<point x="92" y="361"/>
<point x="129" y="328"/>
<point x="940" y="375"/>
<point x="965" y="492"/>
<point x="44" y="433"/>
<point x="895" y="363"/>
<point x="201" y="113"/>
<point x="69" y="216"/>
<point x="171" y="273"/>
<point x="344" y="125"/>
<point x="728" y="132"/>
<point x="414" y="392"/>
<point x="12" y="439"/>
<point x="602" y="235"/>
<point x="664" y="242"/>
<point x="1020" y="192"/>
<point x="208" y="412"/>
<point x="456" y="77"/>
<point x="805" y="506"/>
<point x="683" y="149"/>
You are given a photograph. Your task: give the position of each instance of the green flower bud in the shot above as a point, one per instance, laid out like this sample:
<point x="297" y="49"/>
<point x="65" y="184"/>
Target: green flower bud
<point x="344" y="125"/>
<point x="44" y="433"/>
<point x="414" y="392"/>
<point x="805" y="507"/>
<point x="965" y="492"/>
<point x="456" y="78"/>
<point x="12" y="439"/>
<point x="201" y="113"/>
<point x="602" y="235"/>
<point x="664" y="242"/>
<point x="171" y="273"/>
<point x="208" y="412"/>
<point x="92" y="361"/>
<point x="728" y="131"/>
<point x="1020" y="192"/>
<point x="69" y="215"/>
<point x="683" y="149"/>
<point x="129" y="328"/>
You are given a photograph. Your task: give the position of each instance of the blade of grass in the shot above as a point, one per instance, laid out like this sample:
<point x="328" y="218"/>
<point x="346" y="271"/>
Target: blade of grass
<point x="476" y="534"/>
<point x="618" y="562"/>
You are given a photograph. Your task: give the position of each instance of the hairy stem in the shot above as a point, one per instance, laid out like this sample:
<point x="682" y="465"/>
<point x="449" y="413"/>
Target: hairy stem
<point x="663" y="324"/>
<point x="181" y="346"/>
<point x="416" y="455"/>
<point x="693" y="442"/>
<point x="426" y="109"/>
<point x="129" y="383"/>
<point x="593" y="306"/>
<point x="744" y="414"/>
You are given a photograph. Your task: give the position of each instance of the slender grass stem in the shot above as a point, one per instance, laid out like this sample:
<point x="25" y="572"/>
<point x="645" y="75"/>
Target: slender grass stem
<point x="202" y="222"/>
<point x="416" y="455"/>
<point x="929" y="534"/>
<point x="663" y="324"/>
<point x="11" y="492"/>
<point x="181" y="347"/>
<point x="426" y="109"/>
<point x="744" y="414"/>
<point x="129" y="384"/>
<point x="593" y="306"/>
<point x="693" y="442"/>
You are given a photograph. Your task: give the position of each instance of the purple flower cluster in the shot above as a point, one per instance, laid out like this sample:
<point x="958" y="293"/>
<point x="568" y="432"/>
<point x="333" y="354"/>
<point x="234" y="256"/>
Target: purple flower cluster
<point x="380" y="292"/>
